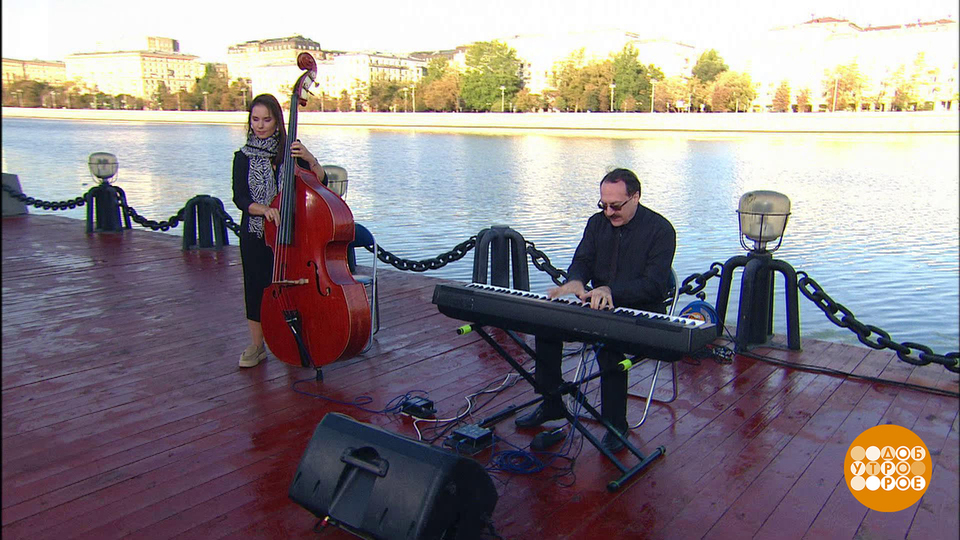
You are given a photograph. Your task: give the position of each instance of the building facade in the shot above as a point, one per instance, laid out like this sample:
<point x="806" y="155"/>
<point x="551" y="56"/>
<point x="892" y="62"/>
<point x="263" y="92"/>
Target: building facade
<point x="805" y="54"/>
<point x="244" y="59"/>
<point x="34" y="70"/>
<point x="136" y="73"/>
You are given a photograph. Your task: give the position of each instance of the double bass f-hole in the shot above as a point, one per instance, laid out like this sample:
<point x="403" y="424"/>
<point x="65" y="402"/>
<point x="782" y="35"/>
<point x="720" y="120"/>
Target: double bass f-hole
<point x="316" y="274"/>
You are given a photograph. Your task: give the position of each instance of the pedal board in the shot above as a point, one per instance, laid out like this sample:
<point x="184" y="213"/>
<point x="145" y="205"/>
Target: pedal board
<point x="469" y="439"/>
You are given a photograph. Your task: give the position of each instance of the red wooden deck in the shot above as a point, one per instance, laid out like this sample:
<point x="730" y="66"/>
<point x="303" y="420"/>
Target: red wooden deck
<point x="124" y="414"/>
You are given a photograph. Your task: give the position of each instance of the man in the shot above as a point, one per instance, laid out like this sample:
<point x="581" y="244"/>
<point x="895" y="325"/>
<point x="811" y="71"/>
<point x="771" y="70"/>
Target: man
<point x="626" y="254"/>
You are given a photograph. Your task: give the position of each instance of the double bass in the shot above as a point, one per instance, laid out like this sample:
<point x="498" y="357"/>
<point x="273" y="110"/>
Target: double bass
<point x="314" y="312"/>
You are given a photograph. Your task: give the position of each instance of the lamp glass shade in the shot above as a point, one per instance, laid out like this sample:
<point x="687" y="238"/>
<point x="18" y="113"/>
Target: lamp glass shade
<point x="103" y="165"/>
<point x="763" y="215"/>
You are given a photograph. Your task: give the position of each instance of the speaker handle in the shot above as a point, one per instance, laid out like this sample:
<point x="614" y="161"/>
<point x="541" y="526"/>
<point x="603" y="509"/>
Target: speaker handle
<point x="366" y="458"/>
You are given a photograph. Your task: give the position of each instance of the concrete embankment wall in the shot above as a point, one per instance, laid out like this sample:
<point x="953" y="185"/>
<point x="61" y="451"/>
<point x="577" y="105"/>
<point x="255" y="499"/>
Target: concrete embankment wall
<point x="603" y="124"/>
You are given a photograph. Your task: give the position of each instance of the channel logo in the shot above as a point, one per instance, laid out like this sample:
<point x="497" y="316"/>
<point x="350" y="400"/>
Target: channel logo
<point x="887" y="468"/>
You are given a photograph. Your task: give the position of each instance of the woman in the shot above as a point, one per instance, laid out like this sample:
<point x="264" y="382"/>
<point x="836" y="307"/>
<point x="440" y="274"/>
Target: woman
<point x="256" y="177"/>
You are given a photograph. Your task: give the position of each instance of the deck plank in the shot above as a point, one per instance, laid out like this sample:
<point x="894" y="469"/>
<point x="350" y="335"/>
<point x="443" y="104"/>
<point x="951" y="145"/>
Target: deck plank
<point x="124" y="413"/>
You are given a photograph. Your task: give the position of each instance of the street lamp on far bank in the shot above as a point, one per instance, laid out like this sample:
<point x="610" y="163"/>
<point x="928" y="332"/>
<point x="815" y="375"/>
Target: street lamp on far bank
<point x="205" y="100"/>
<point x="502" y="88"/>
<point x="20" y="97"/>
<point x="612" y="86"/>
<point x="653" y="93"/>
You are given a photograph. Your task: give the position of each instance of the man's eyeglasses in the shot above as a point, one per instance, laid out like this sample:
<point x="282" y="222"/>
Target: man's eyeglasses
<point x="613" y="206"/>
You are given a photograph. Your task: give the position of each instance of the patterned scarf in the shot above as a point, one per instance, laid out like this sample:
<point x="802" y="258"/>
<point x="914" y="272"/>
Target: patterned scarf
<point x="263" y="184"/>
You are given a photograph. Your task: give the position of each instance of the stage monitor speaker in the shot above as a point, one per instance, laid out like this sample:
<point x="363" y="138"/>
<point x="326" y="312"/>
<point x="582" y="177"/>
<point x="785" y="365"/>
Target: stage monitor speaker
<point x="375" y="483"/>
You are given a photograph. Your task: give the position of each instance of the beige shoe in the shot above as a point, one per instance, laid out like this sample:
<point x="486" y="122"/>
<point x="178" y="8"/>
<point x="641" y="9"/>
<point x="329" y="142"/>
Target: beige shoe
<point x="253" y="355"/>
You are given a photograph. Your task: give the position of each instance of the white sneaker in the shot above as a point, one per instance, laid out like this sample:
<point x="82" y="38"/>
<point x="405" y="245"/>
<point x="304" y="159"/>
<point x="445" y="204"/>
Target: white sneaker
<point x="253" y="355"/>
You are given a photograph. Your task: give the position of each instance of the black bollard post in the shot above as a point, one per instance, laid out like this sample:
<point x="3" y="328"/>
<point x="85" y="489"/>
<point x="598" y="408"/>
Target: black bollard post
<point x="203" y="226"/>
<point x="105" y="201"/>
<point x="755" y="312"/>
<point x="508" y="247"/>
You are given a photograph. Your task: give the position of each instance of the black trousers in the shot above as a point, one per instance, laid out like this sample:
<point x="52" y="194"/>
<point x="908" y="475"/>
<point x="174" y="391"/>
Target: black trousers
<point x="613" y="382"/>
<point x="257" y="259"/>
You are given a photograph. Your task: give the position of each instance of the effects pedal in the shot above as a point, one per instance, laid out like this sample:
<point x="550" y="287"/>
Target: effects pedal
<point x="469" y="439"/>
<point x="418" y="407"/>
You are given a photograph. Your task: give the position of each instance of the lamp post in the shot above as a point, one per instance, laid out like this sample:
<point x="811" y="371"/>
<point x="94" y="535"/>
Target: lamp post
<point x="502" y="88"/>
<point x="836" y="83"/>
<point x="612" y="86"/>
<point x="53" y="95"/>
<point x="653" y="93"/>
<point x="413" y="90"/>
<point x="205" y="100"/>
<point x="763" y="218"/>
<point x="20" y="97"/>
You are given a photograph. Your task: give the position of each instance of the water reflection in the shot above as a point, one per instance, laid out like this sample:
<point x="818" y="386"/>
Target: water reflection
<point x="875" y="218"/>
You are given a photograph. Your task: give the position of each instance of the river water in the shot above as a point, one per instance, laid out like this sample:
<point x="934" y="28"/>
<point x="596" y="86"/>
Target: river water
<point x="874" y="217"/>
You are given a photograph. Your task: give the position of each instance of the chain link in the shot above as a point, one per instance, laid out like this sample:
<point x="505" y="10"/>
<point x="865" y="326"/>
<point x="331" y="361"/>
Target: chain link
<point x="423" y="265"/>
<point x="687" y="286"/>
<point x="172" y="222"/>
<point x="542" y="263"/>
<point x="227" y="220"/>
<point x="872" y="336"/>
<point x="47" y="205"/>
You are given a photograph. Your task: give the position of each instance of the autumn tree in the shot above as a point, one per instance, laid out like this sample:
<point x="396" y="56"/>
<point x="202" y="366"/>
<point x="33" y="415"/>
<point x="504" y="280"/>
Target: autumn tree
<point x="527" y="102"/>
<point x="803" y="100"/>
<point x="442" y="94"/>
<point x="843" y="87"/>
<point x="781" y="100"/>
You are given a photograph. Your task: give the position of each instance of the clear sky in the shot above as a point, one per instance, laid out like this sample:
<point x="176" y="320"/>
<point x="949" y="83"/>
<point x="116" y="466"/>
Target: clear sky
<point x="52" y="29"/>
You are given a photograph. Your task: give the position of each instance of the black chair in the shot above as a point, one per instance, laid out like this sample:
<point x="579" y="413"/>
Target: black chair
<point x="671" y="305"/>
<point x="363" y="238"/>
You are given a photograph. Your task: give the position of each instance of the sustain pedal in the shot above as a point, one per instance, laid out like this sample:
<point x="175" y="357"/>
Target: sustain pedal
<point x="546" y="439"/>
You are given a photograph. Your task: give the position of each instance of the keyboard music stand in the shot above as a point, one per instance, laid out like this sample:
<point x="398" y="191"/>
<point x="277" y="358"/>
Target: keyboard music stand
<point x="573" y="389"/>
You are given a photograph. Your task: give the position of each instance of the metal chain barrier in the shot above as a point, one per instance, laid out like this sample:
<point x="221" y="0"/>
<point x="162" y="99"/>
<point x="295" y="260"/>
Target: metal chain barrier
<point x="47" y="205"/>
<point x="871" y="336"/>
<point x="542" y="263"/>
<point x="227" y="220"/>
<point x="909" y="352"/>
<point x="687" y="287"/>
<point x="434" y="263"/>
<point x="172" y="222"/>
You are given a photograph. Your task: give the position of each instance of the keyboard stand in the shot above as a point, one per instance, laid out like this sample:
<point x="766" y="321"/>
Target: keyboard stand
<point x="574" y="391"/>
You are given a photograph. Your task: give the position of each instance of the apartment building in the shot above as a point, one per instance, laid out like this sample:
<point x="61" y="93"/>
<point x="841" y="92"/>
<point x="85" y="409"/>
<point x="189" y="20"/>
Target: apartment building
<point x="34" y="70"/>
<point x="137" y="73"/>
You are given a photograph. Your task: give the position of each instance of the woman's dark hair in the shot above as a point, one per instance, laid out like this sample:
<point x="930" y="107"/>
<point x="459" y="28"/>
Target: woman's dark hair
<point x="271" y="103"/>
<point x="630" y="180"/>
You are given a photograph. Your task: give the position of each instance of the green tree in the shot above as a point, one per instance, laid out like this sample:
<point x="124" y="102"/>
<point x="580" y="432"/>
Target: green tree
<point x="732" y="91"/>
<point x="699" y="93"/>
<point x="490" y="65"/>
<point x="215" y="84"/>
<point x="709" y="66"/>
<point x="163" y="99"/>
<point x="568" y="82"/>
<point x="383" y="95"/>
<point x="781" y="100"/>
<point x="437" y="69"/>
<point x="343" y="105"/>
<point x="633" y="79"/>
